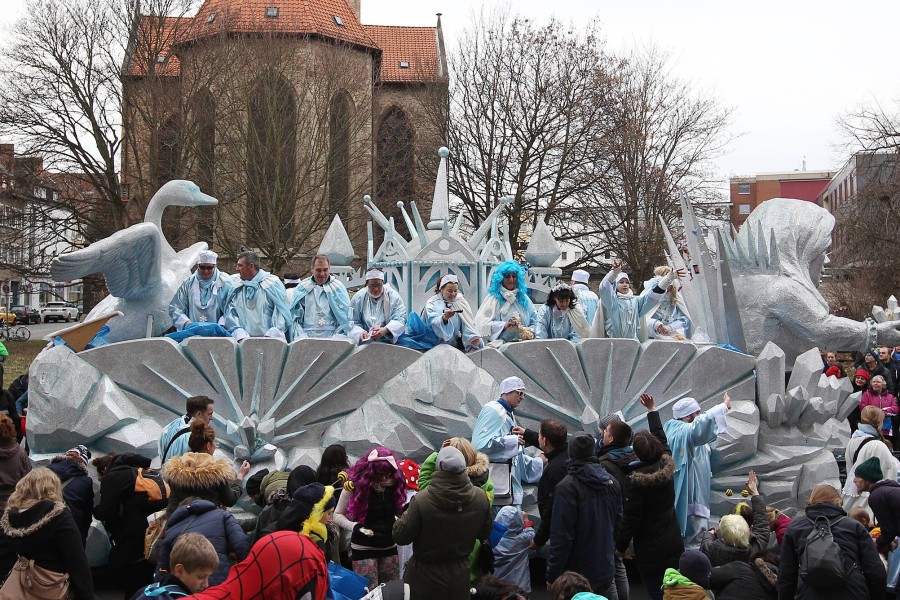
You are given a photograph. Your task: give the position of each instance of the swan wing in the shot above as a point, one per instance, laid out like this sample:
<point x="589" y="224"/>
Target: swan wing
<point x="129" y="260"/>
<point x="190" y="254"/>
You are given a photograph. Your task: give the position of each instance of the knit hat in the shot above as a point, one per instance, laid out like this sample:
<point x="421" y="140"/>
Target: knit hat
<point x="451" y="460"/>
<point x="862" y="373"/>
<point x="273" y="482"/>
<point x="81" y="454"/>
<point x="410" y="472"/>
<point x="833" y="371"/>
<point x="254" y="481"/>
<point x="307" y="495"/>
<point x="695" y="565"/>
<point x="685" y="407"/>
<point x="304" y="502"/>
<point x="511" y="384"/>
<point x="581" y="446"/>
<point x="300" y="475"/>
<point x="870" y="470"/>
<point x="604" y="421"/>
<point x="581" y="276"/>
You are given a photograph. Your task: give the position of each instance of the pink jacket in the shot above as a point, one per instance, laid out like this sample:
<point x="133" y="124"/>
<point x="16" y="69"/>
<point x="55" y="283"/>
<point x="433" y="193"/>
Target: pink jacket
<point x="885" y="402"/>
<point x="781" y="525"/>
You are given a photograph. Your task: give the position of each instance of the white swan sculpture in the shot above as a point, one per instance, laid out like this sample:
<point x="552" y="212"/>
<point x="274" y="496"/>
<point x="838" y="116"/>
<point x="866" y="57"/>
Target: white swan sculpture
<point x="141" y="269"/>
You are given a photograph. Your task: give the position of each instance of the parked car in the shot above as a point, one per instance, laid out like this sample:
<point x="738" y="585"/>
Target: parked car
<point x="6" y="316"/>
<point x="59" y="311"/>
<point x="25" y="314"/>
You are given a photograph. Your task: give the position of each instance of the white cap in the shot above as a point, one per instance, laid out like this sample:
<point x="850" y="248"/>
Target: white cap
<point x="685" y="407"/>
<point x="581" y="276"/>
<point x="622" y="276"/>
<point x="448" y="279"/>
<point x="374" y="274"/>
<point x="511" y="384"/>
<point x="207" y="257"/>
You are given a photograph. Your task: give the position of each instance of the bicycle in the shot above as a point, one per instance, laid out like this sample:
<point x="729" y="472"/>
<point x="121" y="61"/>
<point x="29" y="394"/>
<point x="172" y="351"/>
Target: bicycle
<point x="16" y="334"/>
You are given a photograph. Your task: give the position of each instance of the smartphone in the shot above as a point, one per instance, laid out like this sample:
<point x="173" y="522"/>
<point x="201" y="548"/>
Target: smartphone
<point x="458" y="311"/>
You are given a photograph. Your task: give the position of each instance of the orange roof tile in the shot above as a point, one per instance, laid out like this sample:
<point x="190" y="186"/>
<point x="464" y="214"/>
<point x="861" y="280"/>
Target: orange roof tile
<point x="288" y="16"/>
<point x="414" y="47"/>
<point x="156" y="35"/>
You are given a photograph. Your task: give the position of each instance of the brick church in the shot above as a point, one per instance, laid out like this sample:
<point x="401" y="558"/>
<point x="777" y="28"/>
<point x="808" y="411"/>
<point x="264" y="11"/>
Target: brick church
<point x="288" y="112"/>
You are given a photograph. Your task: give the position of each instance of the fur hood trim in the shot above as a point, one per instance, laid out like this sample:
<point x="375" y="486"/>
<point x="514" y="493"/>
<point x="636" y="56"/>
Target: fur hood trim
<point x="20" y="532"/>
<point x="655" y="474"/>
<point x="480" y="467"/>
<point x="197" y="470"/>
<point x="770" y="576"/>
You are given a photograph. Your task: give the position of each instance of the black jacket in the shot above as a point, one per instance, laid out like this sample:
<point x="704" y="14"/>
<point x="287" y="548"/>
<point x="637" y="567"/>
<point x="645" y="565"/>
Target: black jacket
<point x="78" y="493"/>
<point x="738" y="580"/>
<point x="587" y="512"/>
<point x="124" y="513"/>
<point x="650" y="516"/>
<point x="46" y="534"/>
<point x="554" y="472"/>
<point x="720" y="553"/>
<point x="867" y="579"/>
<point x="884" y="500"/>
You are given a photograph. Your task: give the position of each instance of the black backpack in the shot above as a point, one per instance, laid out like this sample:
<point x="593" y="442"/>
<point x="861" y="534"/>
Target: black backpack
<point x="822" y="561"/>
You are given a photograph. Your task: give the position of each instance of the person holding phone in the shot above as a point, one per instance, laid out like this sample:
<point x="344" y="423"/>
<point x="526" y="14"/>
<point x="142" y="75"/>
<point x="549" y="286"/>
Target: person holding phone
<point x="450" y="317"/>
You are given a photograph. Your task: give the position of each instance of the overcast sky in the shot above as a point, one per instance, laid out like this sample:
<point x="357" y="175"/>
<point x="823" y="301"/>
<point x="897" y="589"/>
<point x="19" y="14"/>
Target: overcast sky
<point x="789" y="68"/>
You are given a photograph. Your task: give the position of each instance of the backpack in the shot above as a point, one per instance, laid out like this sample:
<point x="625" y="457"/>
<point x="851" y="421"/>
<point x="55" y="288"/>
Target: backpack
<point x="150" y="482"/>
<point x="155" y="591"/>
<point x="822" y="561"/>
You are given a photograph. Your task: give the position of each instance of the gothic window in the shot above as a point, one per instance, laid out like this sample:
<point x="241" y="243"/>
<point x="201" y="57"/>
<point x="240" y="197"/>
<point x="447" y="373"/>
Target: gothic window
<point x="339" y="154"/>
<point x="271" y="160"/>
<point x="204" y="125"/>
<point x="394" y="166"/>
<point x="168" y="151"/>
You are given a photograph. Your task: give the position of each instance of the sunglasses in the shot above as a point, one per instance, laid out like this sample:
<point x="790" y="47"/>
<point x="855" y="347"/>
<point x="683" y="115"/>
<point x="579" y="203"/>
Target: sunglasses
<point x="206" y="268"/>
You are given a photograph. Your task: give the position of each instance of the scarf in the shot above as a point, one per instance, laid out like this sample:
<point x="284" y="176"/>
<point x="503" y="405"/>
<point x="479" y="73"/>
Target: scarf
<point x="491" y="309"/>
<point x="466" y="316"/>
<point x="866" y="430"/>
<point x="577" y="320"/>
<point x="252" y="286"/>
<point x="205" y="290"/>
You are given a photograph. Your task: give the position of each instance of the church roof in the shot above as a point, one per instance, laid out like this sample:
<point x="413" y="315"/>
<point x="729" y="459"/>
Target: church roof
<point x="408" y="53"/>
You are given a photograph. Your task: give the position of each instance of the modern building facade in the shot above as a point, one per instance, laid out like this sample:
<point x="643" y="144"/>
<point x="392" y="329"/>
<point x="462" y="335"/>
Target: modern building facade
<point x="748" y="192"/>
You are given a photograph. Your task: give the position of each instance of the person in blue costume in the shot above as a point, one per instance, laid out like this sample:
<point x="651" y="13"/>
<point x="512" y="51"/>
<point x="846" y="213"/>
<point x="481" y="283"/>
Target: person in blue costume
<point x="623" y="312"/>
<point x="690" y="433"/>
<point x="507" y="314"/>
<point x="377" y="313"/>
<point x="256" y="306"/>
<point x="201" y="297"/>
<point x="671" y="320"/>
<point x="561" y="318"/>
<point x="320" y="307"/>
<point x="450" y="317"/>
<point x="499" y="436"/>
<point x="588" y="301"/>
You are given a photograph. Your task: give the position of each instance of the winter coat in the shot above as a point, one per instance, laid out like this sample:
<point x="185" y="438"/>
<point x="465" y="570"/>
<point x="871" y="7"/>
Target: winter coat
<point x="511" y="552"/>
<point x="781" y="524"/>
<point x="885" y="401"/>
<point x="650" y="516"/>
<point x="866" y="580"/>
<point x="884" y="500"/>
<point x="587" y="512"/>
<point x="14" y="465"/>
<point x="739" y="580"/>
<point x="124" y="513"/>
<point x="78" y="492"/>
<point x="617" y="462"/>
<point x="442" y="523"/>
<point x="213" y="523"/>
<point x="46" y="533"/>
<point x="174" y="588"/>
<point x="554" y="472"/>
<point x="720" y="553"/>
<point x="201" y="475"/>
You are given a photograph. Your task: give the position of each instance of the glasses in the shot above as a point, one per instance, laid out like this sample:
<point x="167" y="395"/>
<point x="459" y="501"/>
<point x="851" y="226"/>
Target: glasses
<point x="520" y="392"/>
<point x="206" y="267"/>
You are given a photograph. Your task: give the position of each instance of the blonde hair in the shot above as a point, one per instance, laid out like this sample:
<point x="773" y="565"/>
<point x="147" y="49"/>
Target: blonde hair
<point x="735" y="531"/>
<point x="825" y="493"/>
<point x="39" y="484"/>
<point x="468" y="450"/>
<point x="193" y="552"/>
<point x="872" y="415"/>
<point x="662" y="272"/>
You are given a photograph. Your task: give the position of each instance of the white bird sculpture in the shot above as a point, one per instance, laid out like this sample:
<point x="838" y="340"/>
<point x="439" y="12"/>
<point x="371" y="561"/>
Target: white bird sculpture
<point x="141" y="269"/>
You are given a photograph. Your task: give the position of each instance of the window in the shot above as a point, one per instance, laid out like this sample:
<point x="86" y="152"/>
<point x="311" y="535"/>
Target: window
<point x="338" y="21"/>
<point x="211" y="18"/>
<point x="394" y="164"/>
<point x="565" y="255"/>
<point x="606" y="255"/>
<point x="743" y="209"/>
<point x="743" y="188"/>
<point x="578" y="254"/>
<point x="271" y="12"/>
<point x="339" y="166"/>
<point x="160" y="58"/>
<point x="404" y="64"/>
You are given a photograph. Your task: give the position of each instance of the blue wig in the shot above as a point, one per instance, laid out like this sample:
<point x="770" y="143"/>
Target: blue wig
<point x="496" y="287"/>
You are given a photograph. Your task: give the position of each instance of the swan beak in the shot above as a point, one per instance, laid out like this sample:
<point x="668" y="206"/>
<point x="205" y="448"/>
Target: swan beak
<point x="198" y="198"/>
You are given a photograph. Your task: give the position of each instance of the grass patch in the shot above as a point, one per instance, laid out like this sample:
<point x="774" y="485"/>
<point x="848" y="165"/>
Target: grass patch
<point x="20" y="356"/>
